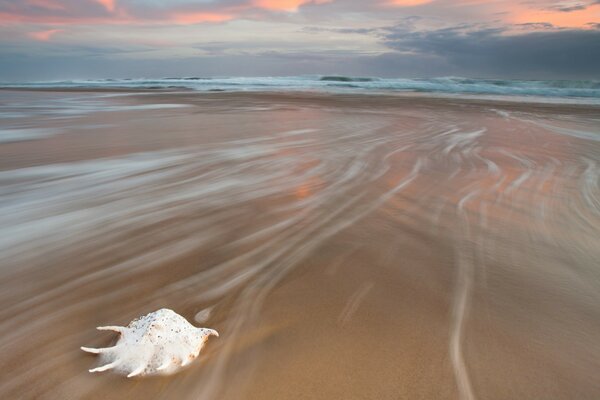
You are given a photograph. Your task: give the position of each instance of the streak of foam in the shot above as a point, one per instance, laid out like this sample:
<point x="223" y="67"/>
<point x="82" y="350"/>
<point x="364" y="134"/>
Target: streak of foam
<point x="461" y="139"/>
<point x="590" y="187"/>
<point x="354" y="302"/>
<point x="461" y="304"/>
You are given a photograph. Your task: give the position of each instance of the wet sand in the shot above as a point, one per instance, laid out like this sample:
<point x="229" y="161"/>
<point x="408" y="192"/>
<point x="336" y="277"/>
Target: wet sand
<point x="344" y="246"/>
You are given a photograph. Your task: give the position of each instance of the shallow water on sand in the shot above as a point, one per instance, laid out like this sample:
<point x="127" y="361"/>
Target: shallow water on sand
<point x="343" y="246"/>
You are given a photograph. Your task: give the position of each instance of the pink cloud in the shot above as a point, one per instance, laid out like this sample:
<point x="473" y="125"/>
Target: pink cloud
<point x="408" y="3"/>
<point x="575" y="19"/>
<point x="44" y="36"/>
<point x="115" y="12"/>
<point x="285" y="5"/>
<point x="110" y="5"/>
<point x="195" y="18"/>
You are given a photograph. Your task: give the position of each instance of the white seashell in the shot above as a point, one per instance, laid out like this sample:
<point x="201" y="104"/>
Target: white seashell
<point x="159" y="343"/>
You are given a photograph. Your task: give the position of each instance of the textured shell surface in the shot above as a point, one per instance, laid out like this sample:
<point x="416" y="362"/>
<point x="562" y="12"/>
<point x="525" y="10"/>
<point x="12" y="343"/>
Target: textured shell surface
<point x="159" y="343"/>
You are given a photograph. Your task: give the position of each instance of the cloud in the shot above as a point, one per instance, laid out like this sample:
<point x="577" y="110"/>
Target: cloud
<point x="358" y="31"/>
<point x="575" y="7"/>
<point x="47" y="4"/>
<point x="285" y="5"/>
<point x="102" y="12"/>
<point x="108" y="4"/>
<point x="519" y="39"/>
<point x="82" y="12"/>
<point x="535" y="26"/>
<point x="199" y="17"/>
<point x="568" y="6"/>
<point x="562" y="14"/>
<point x="408" y="3"/>
<point x="493" y="52"/>
<point x="44" y="36"/>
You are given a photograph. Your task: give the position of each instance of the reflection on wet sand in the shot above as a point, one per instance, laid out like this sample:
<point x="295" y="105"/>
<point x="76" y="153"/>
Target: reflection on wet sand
<point x="343" y="246"/>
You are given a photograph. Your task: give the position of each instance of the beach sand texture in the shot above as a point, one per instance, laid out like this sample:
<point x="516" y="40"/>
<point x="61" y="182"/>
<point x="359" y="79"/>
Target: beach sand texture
<point x="344" y="246"/>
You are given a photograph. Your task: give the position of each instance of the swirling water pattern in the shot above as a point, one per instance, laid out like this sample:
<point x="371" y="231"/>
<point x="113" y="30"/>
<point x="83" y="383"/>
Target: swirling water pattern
<point x="462" y="236"/>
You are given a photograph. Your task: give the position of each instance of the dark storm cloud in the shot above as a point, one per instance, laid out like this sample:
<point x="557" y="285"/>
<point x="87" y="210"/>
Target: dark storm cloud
<point x="494" y="52"/>
<point x="543" y="51"/>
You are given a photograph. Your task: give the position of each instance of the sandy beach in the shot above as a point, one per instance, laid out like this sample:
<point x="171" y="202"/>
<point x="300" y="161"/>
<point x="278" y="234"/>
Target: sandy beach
<point x="344" y="246"/>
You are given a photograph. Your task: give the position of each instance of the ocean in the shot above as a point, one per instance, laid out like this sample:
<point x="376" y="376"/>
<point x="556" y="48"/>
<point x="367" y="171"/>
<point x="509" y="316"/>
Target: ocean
<point x="586" y="91"/>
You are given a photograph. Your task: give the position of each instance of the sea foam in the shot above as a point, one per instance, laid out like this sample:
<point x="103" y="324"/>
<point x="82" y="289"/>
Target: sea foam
<point x="585" y="89"/>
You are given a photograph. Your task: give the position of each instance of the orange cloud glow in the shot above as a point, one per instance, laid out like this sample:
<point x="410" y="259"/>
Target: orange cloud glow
<point x="573" y="19"/>
<point x="58" y="12"/>
<point x="44" y="36"/>
<point x="195" y="18"/>
<point x="408" y="3"/>
<point x="285" y="5"/>
<point x="108" y="4"/>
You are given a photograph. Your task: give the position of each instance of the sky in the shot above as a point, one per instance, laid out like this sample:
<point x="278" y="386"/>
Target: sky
<point x="88" y="39"/>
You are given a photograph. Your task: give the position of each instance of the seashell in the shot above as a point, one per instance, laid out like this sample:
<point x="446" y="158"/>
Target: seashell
<point x="159" y="343"/>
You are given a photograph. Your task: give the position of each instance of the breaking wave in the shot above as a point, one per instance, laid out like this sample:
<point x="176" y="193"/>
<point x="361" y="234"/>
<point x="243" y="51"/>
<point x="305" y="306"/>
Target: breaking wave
<point x="583" y="89"/>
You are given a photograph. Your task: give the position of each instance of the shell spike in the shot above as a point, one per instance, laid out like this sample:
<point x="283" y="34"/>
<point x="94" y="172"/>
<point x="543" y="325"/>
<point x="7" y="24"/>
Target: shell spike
<point x="118" y="329"/>
<point x="137" y="371"/>
<point x="164" y="365"/>
<point x="208" y="332"/>
<point x="105" y="367"/>
<point x="98" y="351"/>
<point x="92" y="350"/>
